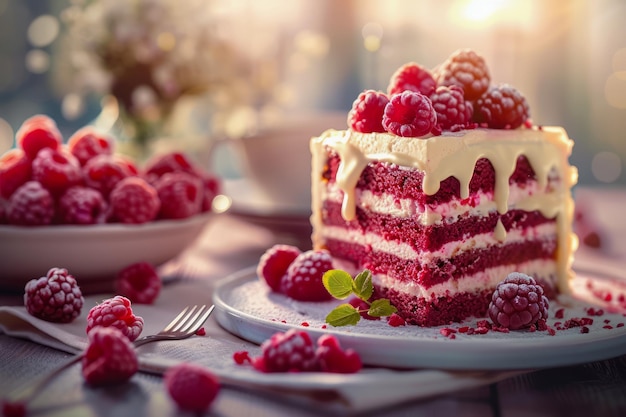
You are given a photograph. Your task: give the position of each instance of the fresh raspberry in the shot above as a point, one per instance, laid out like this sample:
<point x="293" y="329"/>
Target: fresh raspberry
<point x="87" y="143"/>
<point x="82" y="205"/>
<point x="103" y="172"/>
<point x="366" y="115"/>
<point x="180" y="194"/>
<point x="31" y="205"/>
<point x="109" y="358"/>
<point x="411" y="77"/>
<point x="409" y="114"/>
<point x="170" y="162"/>
<point x="139" y="282"/>
<point x="396" y="320"/>
<point x="56" y="170"/>
<point x="274" y="262"/>
<point x="55" y="297"/>
<point x="518" y="302"/>
<point x="192" y="387"/>
<point x="466" y="69"/>
<point x="115" y="312"/>
<point x="14" y="408"/>
<point x="292" y="351"/>
<point x="134" y="201"/>
<point x="36" y="133"/>
<point x="453" y="112"/>
<point x="502" y="107"/>
<point x="303" y="280"/>
<point x="363" y="307"/>
<point x="15" y="170"/>
<point x="210" y="188"/>
<point x="332" y="358"/>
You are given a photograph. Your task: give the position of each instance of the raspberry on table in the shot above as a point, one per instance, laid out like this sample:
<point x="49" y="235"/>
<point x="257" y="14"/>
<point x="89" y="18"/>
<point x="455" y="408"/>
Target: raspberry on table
<point x="303" y="280"/>
<point x="139" y="282"/>
<point x="366" y="115"/>
<point x="36" y="133"/>
<point x="103" y="172"/>
<point x="82" y="205"/>
<point x="453" y="112"/>
<point x="56" y="170"/>
<point x="180" y="194"/>
<point x="30" y="205"/>
<point x="518" y="302"/>
<point x="409" y="114"/>
<point x="502" y="107"/>
<point x="274" y="262"/>
<point x="15" y="170"/>
<point x="466" y="69"/>
<point x="55" y="297"/>
<point x="192" y="387"/>
<point x="211" y="187"/>
<point x="292" y="351"/>
<point x="133" y="201"/>
<point x="87" y="142"/>
<point x="109" y="358"/>
<point x="411" y="77"/>
<point x="169" y="162"/>
<point x="332" y="358"/>
<point x="115" y="312"/>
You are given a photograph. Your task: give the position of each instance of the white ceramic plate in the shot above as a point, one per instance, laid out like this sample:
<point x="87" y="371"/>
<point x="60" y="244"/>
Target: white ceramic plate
<point x="247" y="308"/>
<point x="93" y="254"/>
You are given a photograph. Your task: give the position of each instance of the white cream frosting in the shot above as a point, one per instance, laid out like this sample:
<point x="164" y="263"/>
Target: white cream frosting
<point x="456" y="154"/>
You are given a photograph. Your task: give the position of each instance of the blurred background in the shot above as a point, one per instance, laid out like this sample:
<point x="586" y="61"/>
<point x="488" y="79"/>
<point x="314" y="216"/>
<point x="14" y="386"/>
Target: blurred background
<point x="198" y="70"/>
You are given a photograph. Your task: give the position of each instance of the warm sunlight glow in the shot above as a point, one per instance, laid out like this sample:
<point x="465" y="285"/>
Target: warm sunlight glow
<point x="481" y="10"/>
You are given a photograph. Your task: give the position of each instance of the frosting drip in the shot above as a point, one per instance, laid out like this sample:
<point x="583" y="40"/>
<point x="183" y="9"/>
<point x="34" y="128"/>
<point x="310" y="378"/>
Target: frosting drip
<point x="456" y="154"/>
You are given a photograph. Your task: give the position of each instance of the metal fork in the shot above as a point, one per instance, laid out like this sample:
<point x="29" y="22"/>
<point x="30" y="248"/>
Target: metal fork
<point x="184" y="325"/>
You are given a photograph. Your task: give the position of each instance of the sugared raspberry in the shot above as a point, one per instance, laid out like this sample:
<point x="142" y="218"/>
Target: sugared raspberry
<point x="332" y="358"/>
<point x="518" y="302"/>
<point x="453" y="112"/>
<point x="303" y="280"/>
<point x="210" y="188"/>
<point x="109" y="358"/>
<point x="292" y="351"/>
<point x="139" y="282"/>
<point x="115" y="312"/>
<point x="134" y="201"/>
<point x="87" y="143"/>
<point x="466" y="69"/>
<point x="103" y="172"/>
<point x="57" y="170"/>
<point x="192" y="387"/>
<point x="411" y="77"/>
<point x="409" y="114"/>
<point x="82" y="205"/>
<point x="274" y="262"/>
<point x="502" y="107"/>
<point x="180" y="194"/>
<point x="36" y="133"/>
<point x="366" y="115"/>
<point x="15" y="170"/>
<point x="170" y="162"/>
<point x="55" y="297"/>
<point x="31" y="205"/>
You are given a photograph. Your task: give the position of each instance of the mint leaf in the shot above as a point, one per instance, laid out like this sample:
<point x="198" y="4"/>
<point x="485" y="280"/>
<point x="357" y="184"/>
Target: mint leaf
<point x="343" y="315"/>
<point x="362" y="285"/>
<point x="381" y="308"/>
<point x="338" y="283"/>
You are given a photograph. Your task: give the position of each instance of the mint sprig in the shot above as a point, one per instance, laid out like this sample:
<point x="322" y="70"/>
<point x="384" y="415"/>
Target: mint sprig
<point x="341" y="285"/>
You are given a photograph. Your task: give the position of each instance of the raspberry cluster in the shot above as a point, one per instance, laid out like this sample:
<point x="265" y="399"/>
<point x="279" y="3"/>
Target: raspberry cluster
<point x="55" y="297"/>
<point x="44" y="181"/>
<point x="295" y="351"/>
<point x="518" y="302"/>
<point x="296" y="274"/>
<point x="457" y="95"/>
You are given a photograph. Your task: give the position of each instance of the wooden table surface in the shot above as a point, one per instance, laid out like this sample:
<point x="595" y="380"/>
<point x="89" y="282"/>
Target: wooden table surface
<point x="234" y="241"/>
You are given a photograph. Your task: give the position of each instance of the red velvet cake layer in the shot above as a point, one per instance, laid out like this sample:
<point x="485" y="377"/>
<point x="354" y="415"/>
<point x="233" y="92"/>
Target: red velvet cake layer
<point x="427" y="238"/>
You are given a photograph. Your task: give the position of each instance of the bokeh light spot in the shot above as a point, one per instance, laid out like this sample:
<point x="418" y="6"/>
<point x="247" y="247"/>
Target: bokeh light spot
<point x="615" y="90"/>
<point x="37" y="61"/>
<point x="6" y="136"/>
<point x="43" y="30"/>
<point x="606" y="166"/>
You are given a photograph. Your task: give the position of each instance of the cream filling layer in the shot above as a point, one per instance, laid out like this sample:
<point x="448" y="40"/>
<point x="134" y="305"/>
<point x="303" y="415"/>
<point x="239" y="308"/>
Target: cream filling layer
<point x="488" y="278"/>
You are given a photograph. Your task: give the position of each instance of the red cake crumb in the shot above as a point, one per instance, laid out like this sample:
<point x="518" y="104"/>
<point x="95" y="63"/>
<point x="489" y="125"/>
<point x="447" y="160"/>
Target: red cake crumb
<point x="559" y="313"/>
<point x="395" y="320"/>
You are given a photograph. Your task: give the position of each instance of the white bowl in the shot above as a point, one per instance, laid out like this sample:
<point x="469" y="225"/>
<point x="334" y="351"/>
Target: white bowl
<point x="92" y="254"/>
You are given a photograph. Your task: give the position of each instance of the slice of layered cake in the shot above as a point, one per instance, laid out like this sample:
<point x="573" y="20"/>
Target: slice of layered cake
<point x="441" y="205"/>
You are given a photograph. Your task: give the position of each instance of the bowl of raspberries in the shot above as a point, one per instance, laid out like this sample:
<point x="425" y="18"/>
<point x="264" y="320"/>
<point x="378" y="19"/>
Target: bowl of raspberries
<point x="80" y="205"/>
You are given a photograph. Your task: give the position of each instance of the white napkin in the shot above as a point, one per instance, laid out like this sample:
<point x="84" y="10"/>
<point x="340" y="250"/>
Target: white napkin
<point x="367" y="390"/>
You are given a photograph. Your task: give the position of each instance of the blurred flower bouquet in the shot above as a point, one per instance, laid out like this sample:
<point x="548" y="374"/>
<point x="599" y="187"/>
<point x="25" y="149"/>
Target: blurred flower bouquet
<point x="149" y="58"/>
